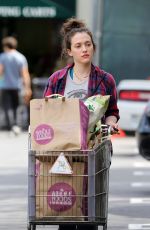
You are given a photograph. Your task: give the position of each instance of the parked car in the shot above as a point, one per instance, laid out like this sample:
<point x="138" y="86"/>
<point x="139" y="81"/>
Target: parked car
<point x="132" y="99"/>
<point x="143" y="133"/>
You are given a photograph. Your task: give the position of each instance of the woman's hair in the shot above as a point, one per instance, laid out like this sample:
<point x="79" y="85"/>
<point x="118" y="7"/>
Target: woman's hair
<point x="69" y="28"/>
<point x="9" y="42"/>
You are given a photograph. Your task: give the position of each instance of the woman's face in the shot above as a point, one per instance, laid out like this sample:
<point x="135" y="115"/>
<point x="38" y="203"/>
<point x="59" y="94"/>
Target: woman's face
<point x="81" y="48"/>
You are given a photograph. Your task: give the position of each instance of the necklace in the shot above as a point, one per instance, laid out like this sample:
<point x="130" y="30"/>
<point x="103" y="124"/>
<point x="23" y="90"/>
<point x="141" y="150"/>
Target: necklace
<point x="81" y="78"/>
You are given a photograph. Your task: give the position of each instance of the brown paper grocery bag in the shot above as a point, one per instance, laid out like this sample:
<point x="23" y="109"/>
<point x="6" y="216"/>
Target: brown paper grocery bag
<point x="58" y="125"/>
<point x="60" y="196"/>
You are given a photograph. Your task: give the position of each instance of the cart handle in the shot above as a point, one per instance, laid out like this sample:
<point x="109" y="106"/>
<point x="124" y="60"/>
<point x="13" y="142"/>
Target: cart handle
<point x="55" y="96"/>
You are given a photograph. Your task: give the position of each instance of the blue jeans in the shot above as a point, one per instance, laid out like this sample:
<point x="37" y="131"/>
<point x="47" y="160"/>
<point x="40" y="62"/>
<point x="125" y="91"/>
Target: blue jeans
<point x="10" y="101"/>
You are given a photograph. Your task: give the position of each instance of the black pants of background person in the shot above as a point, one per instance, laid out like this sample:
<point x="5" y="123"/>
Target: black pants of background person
<point x="10" y="101"/>
<point x="78" y="227"/>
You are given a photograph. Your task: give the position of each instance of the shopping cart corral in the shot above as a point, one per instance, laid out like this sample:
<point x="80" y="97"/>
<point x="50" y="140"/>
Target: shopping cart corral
<point x="80" y="197"/>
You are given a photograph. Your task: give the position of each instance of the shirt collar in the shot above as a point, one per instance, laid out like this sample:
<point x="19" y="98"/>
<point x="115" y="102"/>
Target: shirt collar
<point x="65" y="70"/>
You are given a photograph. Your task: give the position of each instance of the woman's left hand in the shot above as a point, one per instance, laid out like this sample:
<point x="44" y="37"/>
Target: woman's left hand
<point x="112" y="122"/>
<point x="113" y="128"/>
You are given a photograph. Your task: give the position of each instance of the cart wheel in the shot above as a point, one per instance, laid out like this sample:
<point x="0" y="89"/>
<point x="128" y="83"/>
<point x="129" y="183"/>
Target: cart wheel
<point x="105" y="227"/>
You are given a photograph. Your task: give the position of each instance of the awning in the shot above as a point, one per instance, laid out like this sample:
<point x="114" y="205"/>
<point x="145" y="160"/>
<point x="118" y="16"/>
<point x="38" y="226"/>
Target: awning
<point x="37" y="8"/>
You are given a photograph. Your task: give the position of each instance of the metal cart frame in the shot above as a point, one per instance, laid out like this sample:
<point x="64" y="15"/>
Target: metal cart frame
<point x="98" y="162"/>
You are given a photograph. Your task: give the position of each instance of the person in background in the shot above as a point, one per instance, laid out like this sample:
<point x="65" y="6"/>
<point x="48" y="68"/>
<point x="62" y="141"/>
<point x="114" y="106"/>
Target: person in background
<point x="82" y="79"/>
<point x="14" y="68"/>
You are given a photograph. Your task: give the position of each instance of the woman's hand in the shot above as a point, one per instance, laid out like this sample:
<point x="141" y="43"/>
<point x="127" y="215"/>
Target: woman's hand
<point x="112" y="122"/>
<point x="114" y="128"/>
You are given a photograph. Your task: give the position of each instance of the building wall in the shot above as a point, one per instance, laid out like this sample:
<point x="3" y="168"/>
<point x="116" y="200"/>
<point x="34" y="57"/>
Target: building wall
<point x="91" y="11"/>
<point x="84" y="11"/>
<point x="37" y="33"/>
<point x="121" y="30"/>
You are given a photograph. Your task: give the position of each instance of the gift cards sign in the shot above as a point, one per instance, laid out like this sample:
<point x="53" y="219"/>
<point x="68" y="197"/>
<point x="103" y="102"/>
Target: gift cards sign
<point x="61" y="166"/>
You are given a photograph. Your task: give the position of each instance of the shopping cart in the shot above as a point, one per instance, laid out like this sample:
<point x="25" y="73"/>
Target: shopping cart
<point x="84" y="197"/>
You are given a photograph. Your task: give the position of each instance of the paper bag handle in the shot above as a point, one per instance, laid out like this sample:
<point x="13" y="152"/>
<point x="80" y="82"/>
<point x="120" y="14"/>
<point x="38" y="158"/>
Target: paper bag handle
<point x="56" y="95"/>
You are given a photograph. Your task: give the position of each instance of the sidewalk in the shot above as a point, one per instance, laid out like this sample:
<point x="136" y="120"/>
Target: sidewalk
<point x="14" y="150"/>
<point x="13" y="180"/>
<point x="13" y="177"/>
<point x="125" y="145"/>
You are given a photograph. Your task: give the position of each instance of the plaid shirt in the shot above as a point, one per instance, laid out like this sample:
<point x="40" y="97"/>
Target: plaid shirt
<point x="100" y="82"/>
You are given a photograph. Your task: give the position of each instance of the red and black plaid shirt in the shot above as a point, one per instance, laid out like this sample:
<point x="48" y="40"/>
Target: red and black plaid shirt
<point x="100" y="82"/>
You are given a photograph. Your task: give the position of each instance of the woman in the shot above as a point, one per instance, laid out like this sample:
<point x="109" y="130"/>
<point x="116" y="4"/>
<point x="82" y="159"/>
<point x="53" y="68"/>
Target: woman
<point x="82" y="79"/>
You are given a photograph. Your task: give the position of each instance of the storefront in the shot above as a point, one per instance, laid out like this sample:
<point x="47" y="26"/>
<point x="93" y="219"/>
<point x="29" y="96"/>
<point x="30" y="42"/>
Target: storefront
<point x="36" y="25"/>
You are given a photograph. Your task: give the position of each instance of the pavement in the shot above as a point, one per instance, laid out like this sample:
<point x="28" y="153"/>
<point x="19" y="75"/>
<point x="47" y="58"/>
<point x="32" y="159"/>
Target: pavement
<point x="13" y="176"/>
<point x="14" y="149"/>
<point x="125" y="145"/>
<point x="13" y="180"/>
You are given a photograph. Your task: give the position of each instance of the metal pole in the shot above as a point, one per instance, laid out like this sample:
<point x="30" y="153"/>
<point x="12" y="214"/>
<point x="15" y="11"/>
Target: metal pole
<point x="98" y="8"/>
<point x="84" y="11"/>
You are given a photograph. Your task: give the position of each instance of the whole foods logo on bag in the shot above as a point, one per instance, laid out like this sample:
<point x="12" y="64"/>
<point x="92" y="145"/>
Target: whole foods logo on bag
<point x="43" y="134"/>
<point x="61" y="197"/>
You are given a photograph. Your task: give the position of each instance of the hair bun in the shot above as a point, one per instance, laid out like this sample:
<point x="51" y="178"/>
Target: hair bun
<point x="70" y="24"/>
